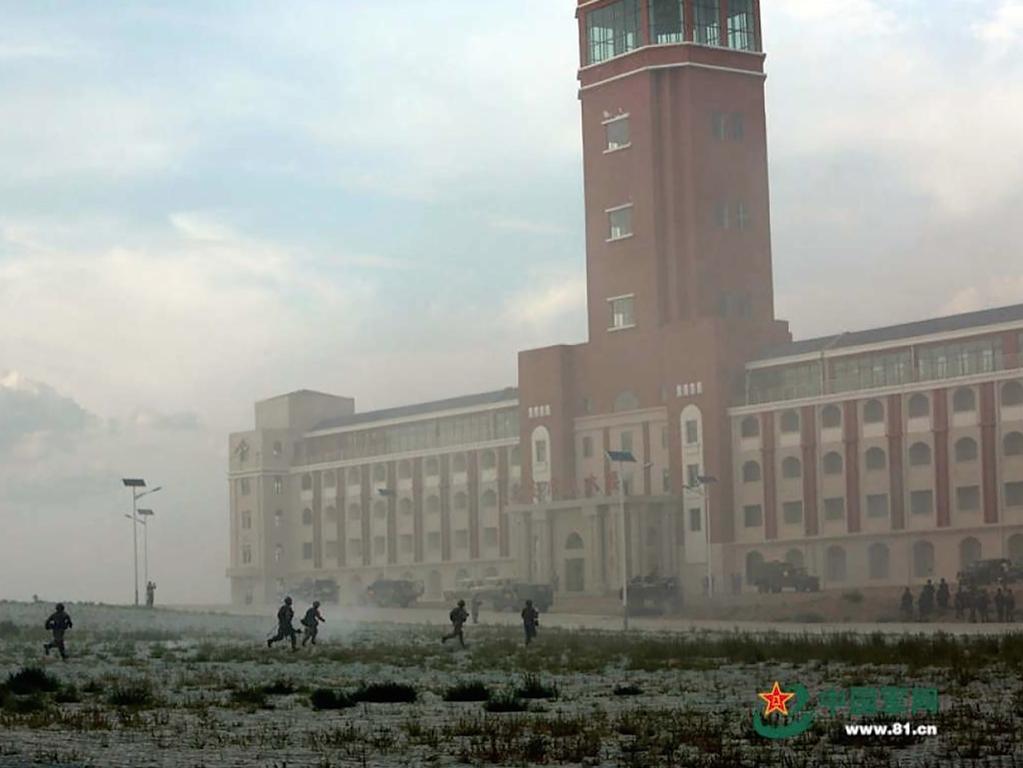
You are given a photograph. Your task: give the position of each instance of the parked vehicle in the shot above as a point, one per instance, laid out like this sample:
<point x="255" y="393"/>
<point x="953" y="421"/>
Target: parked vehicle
<point x="653" y="596"/>
<point x="324" y="590"/>
<point x="393" y="593"/>
<point x="982" y="573"/>
<point x="777" y="575"/>
<point x="503" y="594"/>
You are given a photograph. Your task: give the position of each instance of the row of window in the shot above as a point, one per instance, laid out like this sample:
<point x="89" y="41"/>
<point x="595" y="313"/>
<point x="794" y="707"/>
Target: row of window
<point x="967" y="499"/>
<point x="965" y="451"/>
<point x="964" y="400"/>
<point x="727" y="215"/>
<point x="616" y="28"/>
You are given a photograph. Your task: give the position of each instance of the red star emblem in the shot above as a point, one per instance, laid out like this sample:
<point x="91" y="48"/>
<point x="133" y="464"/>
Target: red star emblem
<point x="776" y="701"/>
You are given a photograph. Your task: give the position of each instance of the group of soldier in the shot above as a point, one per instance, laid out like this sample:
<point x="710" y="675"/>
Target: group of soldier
<point x="458" y="616"/>
<point x="972" y="601"/>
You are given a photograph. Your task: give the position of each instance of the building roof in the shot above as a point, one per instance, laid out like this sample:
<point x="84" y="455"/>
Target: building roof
<point x="419" y="409"/>
<point x="891" y="333"/>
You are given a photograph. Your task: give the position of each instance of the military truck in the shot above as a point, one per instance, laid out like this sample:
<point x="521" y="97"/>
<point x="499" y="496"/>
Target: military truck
<point x="393" y="593"/>
<point x="653" y="596"/>
<point x="776" y="575"/>
<point x="982" y="573"/>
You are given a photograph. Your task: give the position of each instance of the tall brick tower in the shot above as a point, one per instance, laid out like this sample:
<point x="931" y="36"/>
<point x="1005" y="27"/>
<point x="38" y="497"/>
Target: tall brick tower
<point x="679" y="292"/>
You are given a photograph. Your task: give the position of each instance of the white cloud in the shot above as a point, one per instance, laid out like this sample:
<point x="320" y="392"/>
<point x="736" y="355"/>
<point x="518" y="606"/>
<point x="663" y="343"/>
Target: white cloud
<point x="1003" y="29"/>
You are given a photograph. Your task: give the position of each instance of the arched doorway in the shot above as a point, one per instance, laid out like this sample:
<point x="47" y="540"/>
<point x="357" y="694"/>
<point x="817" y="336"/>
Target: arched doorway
<point x="575" y="564"/>
<point x="878" y="557"/>
<point x="969" y="552"/>
<point x="753" y="562"/>
<point x="923" y="559"/>
<point x="834" y="560"/>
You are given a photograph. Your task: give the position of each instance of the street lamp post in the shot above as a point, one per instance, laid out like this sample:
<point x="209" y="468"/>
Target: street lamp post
<point x="134" y="483"/>
<point x="147" y="514"/>
<point x="619" y="458"/>
<point x="705" y="482"/>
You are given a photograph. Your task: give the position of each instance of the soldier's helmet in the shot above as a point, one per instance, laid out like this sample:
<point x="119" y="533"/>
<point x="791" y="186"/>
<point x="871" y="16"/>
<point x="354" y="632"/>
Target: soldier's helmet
<point x="316" y="603"/>
<point x="529" y="603"/>
<point x="461" y="603"/>
<point x="287" y="600"/>
<point x="60" y="606"/>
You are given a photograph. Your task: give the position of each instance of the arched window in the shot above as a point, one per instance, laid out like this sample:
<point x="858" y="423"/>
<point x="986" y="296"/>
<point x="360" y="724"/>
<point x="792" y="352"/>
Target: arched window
<point x="919" y="406"/>
<point x="919" y="455"/>
<point x="923" y="559"/>
<point x="307" y="482"/>
<point x="405" y="507"/>
<point x="873" y="412"/>
<point x="434" y="583"/>
<point x="405" y="470"/>
<point x="626" y="401"/>
<point x="574" y="541"/>
<point x="354" y="511"/>
<point x="488" y="460"/>
<point x="832" y="463"/>
<point x="878" y="558"/>
<point x="541" y="440"/>
<point x="307" y="517"/>
<point x="1012" y="393"/>
<point x="750" y="427"/>
<point x="1012" y="444"/>
<point x="965" y="450"/>
<point x="790" y="422"/>
<point x="432" y="505"/>
<point x="379" y="509"/>
<point x="754" y="561"/>
<point x="875" y="459"/>
<point x="458" y="462"/>
<point x="964" y="400"/>
<point x="831" y="416"/>
<point x="751" y="472"/>
<point x="791" y="468"/>
<point x="489" y="500"/>
<point x="461" y="501"/>
<point x="380" y="473"/>
<point x="969" y="552"/>
<point x="431" y="467"/>
<point x="834" y="560"/>
<point x="354" y="476"/>
<point x="795" y="557"/>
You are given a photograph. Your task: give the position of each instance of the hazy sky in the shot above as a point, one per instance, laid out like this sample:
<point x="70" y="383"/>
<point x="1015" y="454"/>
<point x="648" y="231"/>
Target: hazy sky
<point x="204" y="204"/>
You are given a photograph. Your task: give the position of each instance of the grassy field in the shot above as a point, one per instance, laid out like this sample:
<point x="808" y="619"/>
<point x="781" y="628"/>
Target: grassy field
<point x="161" y="688"/>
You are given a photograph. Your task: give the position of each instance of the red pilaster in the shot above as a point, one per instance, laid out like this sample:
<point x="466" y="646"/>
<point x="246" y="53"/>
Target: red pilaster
<point x="895" y="463"/>
<point x="989" y="462"/>
<point x="767" y="462"/>
<point x="940" y="415"/>
<point x="808" y="423"/>
<point x="851" y="431"/>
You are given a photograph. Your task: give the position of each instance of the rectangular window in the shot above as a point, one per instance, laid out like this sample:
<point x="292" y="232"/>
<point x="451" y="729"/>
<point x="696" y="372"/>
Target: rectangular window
<point x="541" y="451"/>
<point x="742" y="31"/>
<point x="723" y="215"/>
<point x="587" y="447"/>
<point x="490" y="537"/>
<point x="619" y="222"/>
<point x="719" y="125"/>
<point x="433" y="541"/>
<point x="693" y="475"/>
<point x="379" y="545"/>
<point x="246" y="554"/>
<point x="736" y="127"/>
<point x="461" y="539"/>
<point x="405" y="543"/>
<point x="834" y="508"/>
<point x="623" y="312"/>
<point x="246" y="520"/>
<point x="627" y="484"/>
<point x="278" y="486"/>
<point x="792" y="512"/>
<point x="695" y="519"/>
<point x="707" y="24"/>
<point x="753" y="516"/>
<point x="666" y="21"/>
<point x="330" y="550"/>
<point x="921" y="502"/>
<point x="665" y="481"/>
<point x="968" y="498"/>
<point x="307" y="550"/>
<point x="246" y="487"/>
<point x="626" y="441"/>
<point x="616" y="131"/>
<point x="612" y="30"/>
<point x="692" y="432"/>
<point x="1014" y="494"/>
<point x="877" y="505"/>
<point x="742" y="219"/>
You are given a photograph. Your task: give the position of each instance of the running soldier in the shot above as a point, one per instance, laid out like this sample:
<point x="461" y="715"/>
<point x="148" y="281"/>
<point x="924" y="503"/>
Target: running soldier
<point x="311" y="622"/>
<point x="458" y="618"/>
<point x="284" y="627"/>
<point x="530" y="621"/>
<point x="58" y="623"/>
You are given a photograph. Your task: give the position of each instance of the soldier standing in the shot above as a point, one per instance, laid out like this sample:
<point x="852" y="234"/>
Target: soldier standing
<point x="58" y="623"/>
<point x="475" y="606"/>
<point x="530" y="621"/>
<point x="311" y="622"/>
<point x="926" y="602"/>
<point x="983" y="601"/>
<point x="943" y="594"/>
<point x="907" y="604"/>
<point x="999" y="605"/>
<point x="284" y="628"/>
<point x="458" y="618"/>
